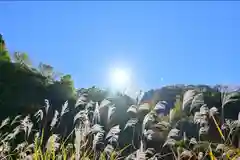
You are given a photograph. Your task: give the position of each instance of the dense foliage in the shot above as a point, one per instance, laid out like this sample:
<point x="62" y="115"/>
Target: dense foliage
<point x="45" y="117"/>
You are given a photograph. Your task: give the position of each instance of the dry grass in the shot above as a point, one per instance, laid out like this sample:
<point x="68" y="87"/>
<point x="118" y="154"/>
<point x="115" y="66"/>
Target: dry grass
<point x="86" y="132"/>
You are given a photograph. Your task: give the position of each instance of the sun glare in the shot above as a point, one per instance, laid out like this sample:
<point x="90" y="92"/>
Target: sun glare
<point x="119" y="78"/>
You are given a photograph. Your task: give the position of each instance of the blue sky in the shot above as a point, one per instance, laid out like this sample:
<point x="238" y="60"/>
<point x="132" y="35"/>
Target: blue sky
<point x="160" y="42"/>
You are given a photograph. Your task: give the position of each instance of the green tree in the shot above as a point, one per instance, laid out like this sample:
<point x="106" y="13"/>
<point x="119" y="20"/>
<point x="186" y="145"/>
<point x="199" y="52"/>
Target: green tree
<point x="21" y="58"/>
<point x="4" y="55"/>
<point x="67" y="80"/>
<point x="48" y="72"/>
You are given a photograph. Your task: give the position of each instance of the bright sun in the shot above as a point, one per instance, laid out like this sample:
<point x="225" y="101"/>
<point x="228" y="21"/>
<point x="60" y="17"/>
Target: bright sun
<point x="119" y="78"/>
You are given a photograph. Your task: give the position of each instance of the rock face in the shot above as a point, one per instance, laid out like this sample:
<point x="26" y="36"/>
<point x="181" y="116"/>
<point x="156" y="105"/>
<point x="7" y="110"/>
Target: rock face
<point x="169" y="93"/>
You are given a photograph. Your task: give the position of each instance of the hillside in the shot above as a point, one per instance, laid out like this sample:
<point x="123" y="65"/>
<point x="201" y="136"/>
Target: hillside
<point x="45" y="117"/>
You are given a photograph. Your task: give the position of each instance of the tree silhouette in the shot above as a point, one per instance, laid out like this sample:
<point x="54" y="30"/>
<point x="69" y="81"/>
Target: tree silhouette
<point x="4" y="55"/>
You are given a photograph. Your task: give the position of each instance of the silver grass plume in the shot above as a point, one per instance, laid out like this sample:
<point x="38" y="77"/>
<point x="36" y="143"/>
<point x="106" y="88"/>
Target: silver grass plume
<point x="95" y="129"/>
<point x="21" y="146"/>
<point x="36" y="135"/>
<point x="82" y="116"/>
<point x="16" y="130"/>
<point x="82" y="128"/>
<point x="39" y="115"/>
<point x="9" y="137"/>
<point x="30" y="146"/>
<point x="22" y="155"/>
<point x="36" y="138"/>
<point x="3" y="136"/>
<point x="6" y="147"/>
<point x="96" y="115"/>
<point x="47" y="105"/>
<point x="111" y="111"/>
<point x="140" y="153"/>
<point x="77" y="142"/>
<point x="98" y="139"/>
<point x="54" y="120"/>
<point x="30" y="125"/>
<point x="169" y="142"/>
<point x="193" y="141"/>
<point x="213" y="111"/>
<point x="87" y="127"/>
<point x="15" y="120"/>
<point x="26" y="125"/>
<point x="114" y="131"/>
<point x="5" y="122"/>
<point x="65" y="108"/>
<point x="197" y="118"/>
<point x="174" y="134"/>
<point x="149" y="118"/>
<point x="104" y="103"/>
<point x="52" y="143"/>
<point x="81" y="100"/>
